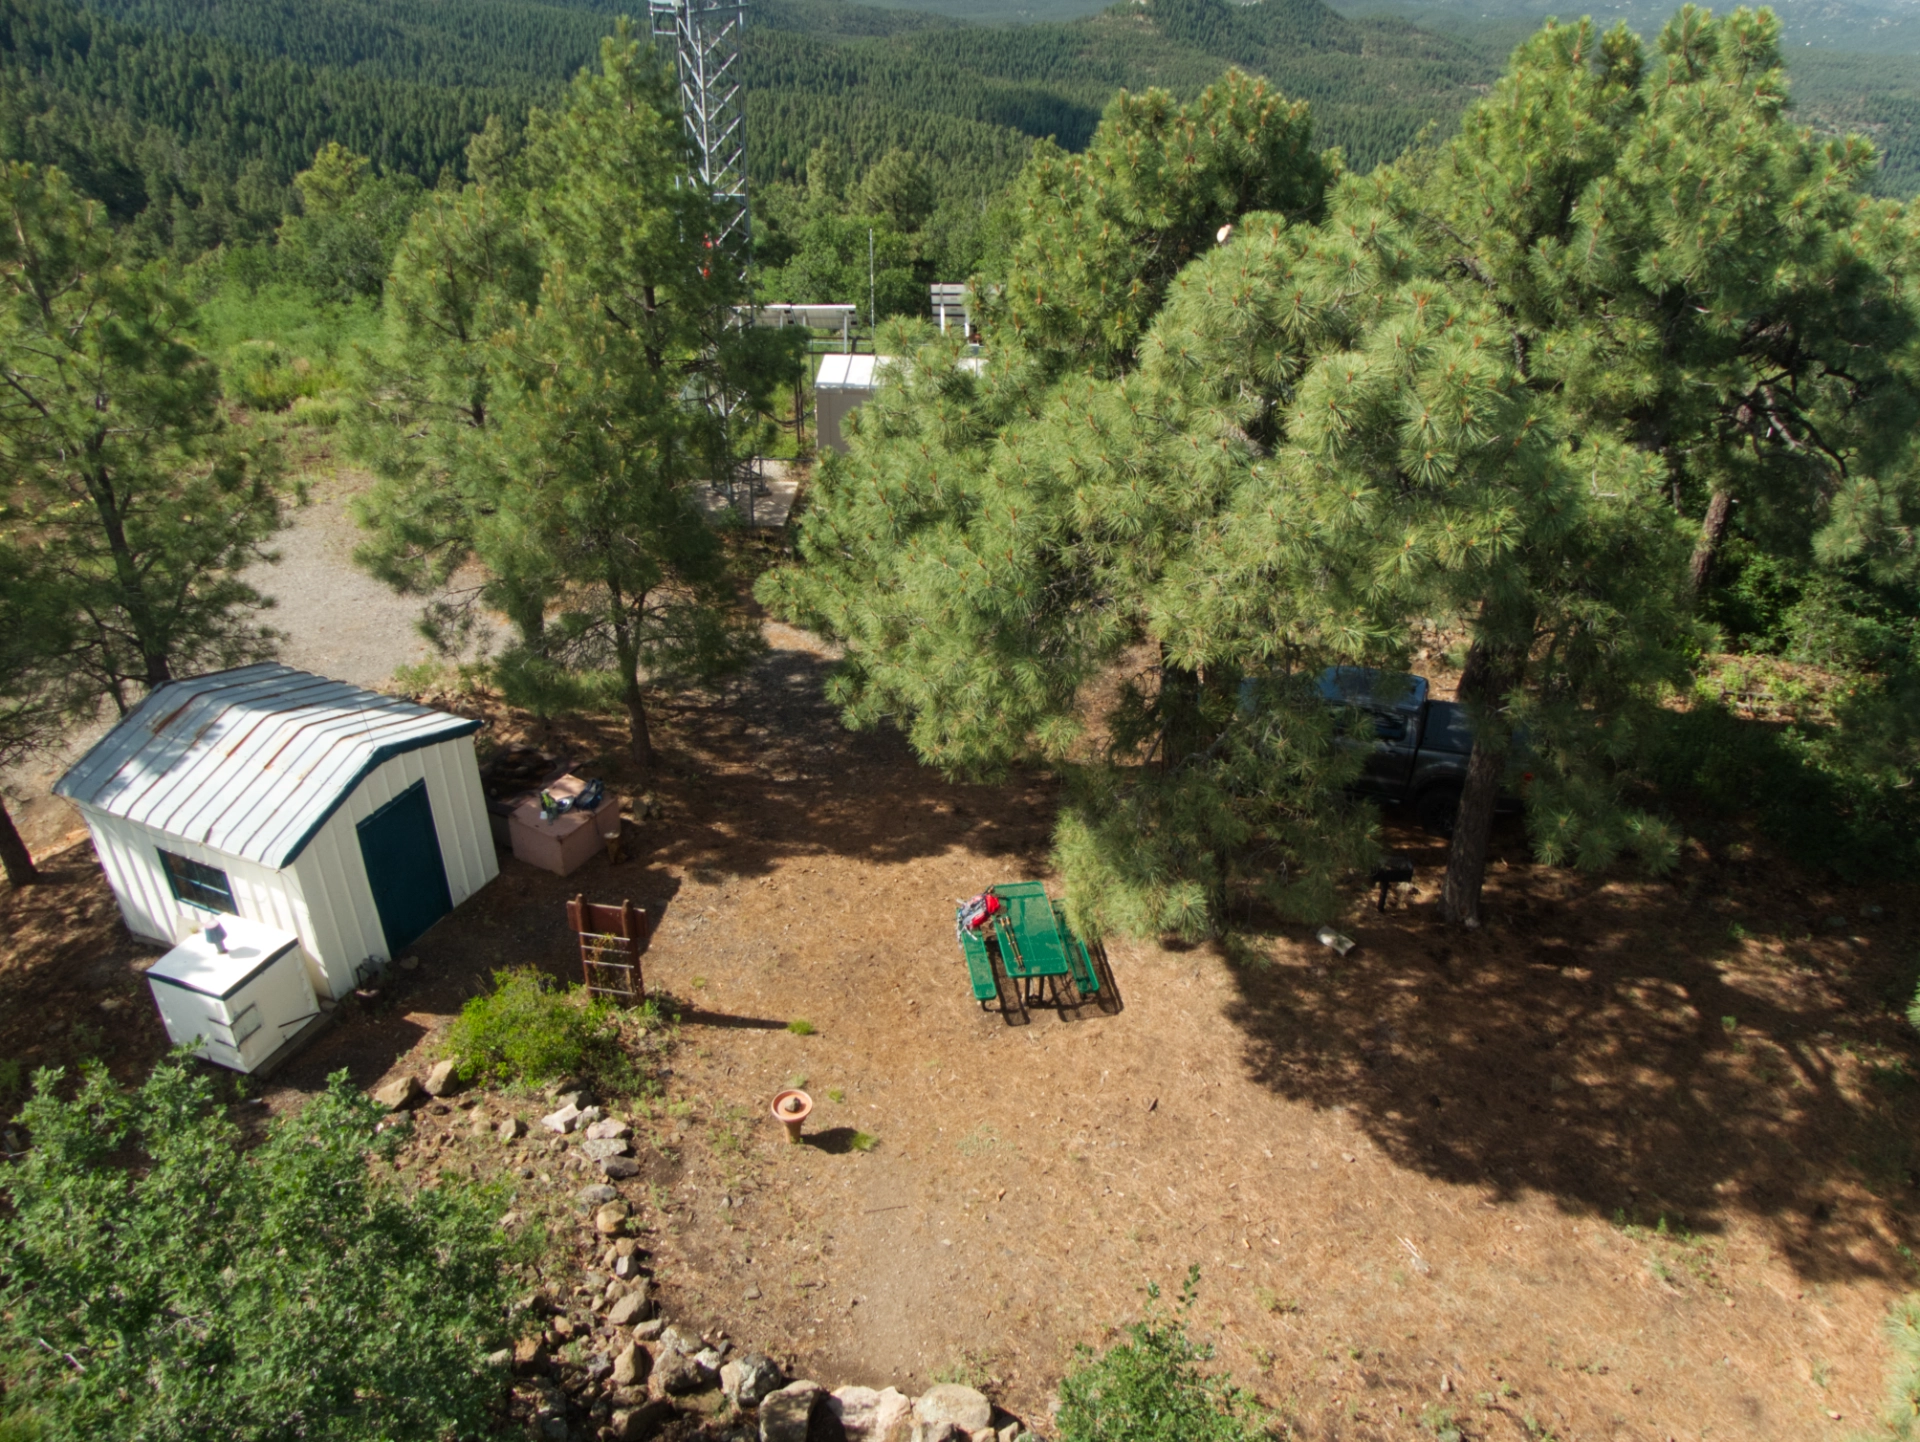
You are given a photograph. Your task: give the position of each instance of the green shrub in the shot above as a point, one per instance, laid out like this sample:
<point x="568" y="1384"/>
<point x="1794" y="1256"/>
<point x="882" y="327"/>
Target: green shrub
<point x="1151" y="1388"/>
<point x="263" y="377"/>
<point x="321" y="411"/>
<point x="529" y="1030"/>
<point x="162" y="1282"/>
<point x="1828" y="795"/>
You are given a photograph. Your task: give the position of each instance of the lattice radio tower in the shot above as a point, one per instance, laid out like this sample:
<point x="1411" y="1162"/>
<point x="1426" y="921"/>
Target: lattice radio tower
<point x="704" y="37"/>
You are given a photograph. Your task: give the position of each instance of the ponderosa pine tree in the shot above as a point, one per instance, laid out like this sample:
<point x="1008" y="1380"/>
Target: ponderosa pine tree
<point x="563" y="372"/>
<point x="1103" y="233"/>
<point x="1461" y="398"/>
<point x="118" y="469"/>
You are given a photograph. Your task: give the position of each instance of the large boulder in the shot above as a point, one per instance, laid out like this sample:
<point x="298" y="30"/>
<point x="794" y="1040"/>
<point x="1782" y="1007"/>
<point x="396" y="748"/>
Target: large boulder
<point x="869" y="1416"/>
<point x="675" y="1374"/>
<point x="949" y="1405"/>
<point x="443" y="1080"/>
<point x="398" y="1095"/>
<point x="786" y="1414"/>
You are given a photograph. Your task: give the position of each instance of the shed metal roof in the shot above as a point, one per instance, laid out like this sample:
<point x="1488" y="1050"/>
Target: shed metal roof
<point x="250" y="762"/>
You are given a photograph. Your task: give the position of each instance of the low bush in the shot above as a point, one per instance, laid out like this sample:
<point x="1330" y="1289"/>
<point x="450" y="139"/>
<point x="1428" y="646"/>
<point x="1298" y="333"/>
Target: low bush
<point x="163" y="1282"/>
<point x="1830" y="795"/>
<point x="261" y="376"/>
<point x="1151" y="1388"/>
<point x="527" y="1029"/>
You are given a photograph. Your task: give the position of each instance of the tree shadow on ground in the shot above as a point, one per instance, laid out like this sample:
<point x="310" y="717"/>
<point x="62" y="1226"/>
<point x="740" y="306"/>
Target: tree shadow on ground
<point x="1681" y="1049"/>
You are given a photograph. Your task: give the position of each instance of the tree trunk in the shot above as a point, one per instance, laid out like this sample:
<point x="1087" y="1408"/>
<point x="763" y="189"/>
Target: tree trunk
<point x="641" y="738"/>
<point x="1713" y="531"/>
<point x="1485" y="680"/>
<point x="1472" y="835"/>
<point x="14" y="855"/>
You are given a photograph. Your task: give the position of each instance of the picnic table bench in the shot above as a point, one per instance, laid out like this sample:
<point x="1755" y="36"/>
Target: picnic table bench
<point x="1033" y="946"/>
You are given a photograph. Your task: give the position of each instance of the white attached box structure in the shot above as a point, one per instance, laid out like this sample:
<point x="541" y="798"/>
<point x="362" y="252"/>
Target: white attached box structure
<point x="842" y="385"/>
<point x="236" y="1000"/>
<point x="350" y="819"/>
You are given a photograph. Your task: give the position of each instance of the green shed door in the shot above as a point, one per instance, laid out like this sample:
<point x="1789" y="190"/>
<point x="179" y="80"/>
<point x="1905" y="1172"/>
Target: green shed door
<point x="402" y="854"/>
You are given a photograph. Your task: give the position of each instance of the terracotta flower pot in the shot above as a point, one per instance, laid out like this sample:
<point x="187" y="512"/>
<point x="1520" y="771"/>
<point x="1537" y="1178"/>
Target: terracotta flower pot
<point x="790" y="1109"/>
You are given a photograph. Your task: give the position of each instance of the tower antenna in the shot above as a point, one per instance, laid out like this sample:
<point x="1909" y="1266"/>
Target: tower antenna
<point x="704" y="37"/>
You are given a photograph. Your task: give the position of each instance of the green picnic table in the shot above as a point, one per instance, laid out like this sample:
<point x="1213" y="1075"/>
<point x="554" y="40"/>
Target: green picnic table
<point x="1034" y="945"/>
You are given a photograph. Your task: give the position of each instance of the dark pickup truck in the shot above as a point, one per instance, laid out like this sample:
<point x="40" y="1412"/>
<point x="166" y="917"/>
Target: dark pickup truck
<point x="1420" y="746"/>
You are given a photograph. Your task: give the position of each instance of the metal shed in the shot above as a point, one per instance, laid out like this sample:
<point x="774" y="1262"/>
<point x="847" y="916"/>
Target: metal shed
<point x="351" y="819"/>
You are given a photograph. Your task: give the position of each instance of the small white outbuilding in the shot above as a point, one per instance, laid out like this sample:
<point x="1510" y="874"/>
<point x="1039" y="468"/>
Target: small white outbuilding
<point x="351" y="819"/>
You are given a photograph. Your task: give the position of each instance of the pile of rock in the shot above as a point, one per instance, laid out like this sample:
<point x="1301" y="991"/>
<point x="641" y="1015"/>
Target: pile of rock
<point x="606" y="1141"/>
<point x="606" y="1366"/>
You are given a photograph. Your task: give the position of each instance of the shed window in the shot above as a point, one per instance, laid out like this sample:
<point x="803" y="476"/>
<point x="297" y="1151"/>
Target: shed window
<point x="198" y="884"/>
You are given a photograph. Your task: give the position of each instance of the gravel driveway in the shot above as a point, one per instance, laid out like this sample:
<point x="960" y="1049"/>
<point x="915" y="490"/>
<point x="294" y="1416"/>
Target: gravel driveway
<point x="338" y="621"/>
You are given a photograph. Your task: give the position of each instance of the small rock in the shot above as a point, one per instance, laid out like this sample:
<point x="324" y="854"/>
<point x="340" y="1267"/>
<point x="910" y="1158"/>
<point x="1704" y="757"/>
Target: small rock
<point x="570" y="1097"/>
<point x="626" y="1267"/>
<point x="965" y="1408"/>
<point x="510" y="1219"/>
<point x="500" y="1360"/>
<point x="748" y="1380"/>
<point x="588" y="1116"/>
<point x="511" y="1128"/>
<point x="597" y="1195"/>
<point x="441" y="1081"/>
<point x="784" y="1415"/>
<point x="409" y="963"/>
<point x="1010" y="1432"/>
<point x="398" y="1094"/>
<point x="676" y="1340"/>
<point x="712" y="1359"/>
<point x="940" y="1432"/>
<point x="599" y="1366"/>
<point x="561" y="1121"/>
<point x="620" y="1168"/>
<point x="600" y="1149"/>
<point x="480" y="1125"/>
<point x="610" y="1130"/>
<point x="650" y="1330"/>
<point x="675" y="1374"/>
<point x="611" y="1220"/>
<point x="529" y="1355"/>
<point x="753" y="1294"/>
<point x="630" y="1307"/>
<point x="632" y="1366"/>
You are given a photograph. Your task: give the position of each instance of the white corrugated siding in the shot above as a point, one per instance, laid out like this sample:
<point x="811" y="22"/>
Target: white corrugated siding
<point x="324" y="897"/>
<point x="130" y="854"/>
<point x="340" y="923"/>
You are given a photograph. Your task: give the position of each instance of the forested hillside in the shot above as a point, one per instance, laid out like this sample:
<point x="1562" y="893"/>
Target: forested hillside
<point x="198" y="116"/>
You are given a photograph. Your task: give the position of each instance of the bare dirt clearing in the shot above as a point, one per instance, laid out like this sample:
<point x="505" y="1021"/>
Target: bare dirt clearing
<point x="1446" y="1157"/>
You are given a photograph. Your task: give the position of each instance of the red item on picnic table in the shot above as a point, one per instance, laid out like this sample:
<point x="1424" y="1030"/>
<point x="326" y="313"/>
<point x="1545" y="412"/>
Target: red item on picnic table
<point x="973" y="915"/>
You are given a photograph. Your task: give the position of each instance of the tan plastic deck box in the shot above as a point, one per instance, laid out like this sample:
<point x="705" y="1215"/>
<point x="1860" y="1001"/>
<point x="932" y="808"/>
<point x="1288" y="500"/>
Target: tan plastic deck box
<point x="568" y="842"/>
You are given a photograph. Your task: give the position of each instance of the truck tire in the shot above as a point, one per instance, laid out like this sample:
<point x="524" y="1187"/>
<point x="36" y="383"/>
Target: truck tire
<point x="1437" y="809"/>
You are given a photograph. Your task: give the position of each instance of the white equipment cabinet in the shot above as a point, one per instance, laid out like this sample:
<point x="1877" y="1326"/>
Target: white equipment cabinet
<point x="236" y="1006"/>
